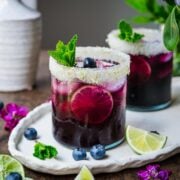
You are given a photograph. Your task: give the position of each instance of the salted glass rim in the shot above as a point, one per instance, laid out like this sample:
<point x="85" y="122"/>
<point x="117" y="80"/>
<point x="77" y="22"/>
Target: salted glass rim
<point x="93" y="75"/>
<point x="151" y="43"/>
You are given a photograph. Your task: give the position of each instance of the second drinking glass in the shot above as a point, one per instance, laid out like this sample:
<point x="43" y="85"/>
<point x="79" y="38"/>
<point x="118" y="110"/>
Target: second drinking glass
<point x="149" y="82"/>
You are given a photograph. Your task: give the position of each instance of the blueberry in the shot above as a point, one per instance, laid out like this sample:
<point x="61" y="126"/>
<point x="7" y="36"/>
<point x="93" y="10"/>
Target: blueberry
<point x="14" y="176"/>
<point x="1" y="105"/>
<point x="79" y="154"/>
<point x="30" y="133"/>
<point x="98" y="151"/>
<point x="89" y="63"/>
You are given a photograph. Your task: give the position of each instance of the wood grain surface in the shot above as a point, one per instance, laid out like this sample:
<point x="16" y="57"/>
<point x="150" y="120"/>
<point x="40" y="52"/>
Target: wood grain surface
<point x="39" y="95"/>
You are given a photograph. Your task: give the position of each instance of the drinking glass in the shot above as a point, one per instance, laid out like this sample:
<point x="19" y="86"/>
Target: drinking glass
<point x="89" y="103"/>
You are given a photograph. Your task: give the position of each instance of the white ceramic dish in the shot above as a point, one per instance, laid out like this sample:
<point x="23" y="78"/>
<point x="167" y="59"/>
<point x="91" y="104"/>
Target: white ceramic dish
<point x="166" y="122"/>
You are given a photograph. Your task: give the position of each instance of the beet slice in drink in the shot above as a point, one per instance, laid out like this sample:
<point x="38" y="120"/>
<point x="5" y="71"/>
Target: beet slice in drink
<point x="92" y="104"/>
<point x="140" y="70"/>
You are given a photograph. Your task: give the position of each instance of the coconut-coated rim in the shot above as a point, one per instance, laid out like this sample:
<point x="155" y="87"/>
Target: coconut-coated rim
<point x="151" y="44"/>
<point x="93" y="75"/>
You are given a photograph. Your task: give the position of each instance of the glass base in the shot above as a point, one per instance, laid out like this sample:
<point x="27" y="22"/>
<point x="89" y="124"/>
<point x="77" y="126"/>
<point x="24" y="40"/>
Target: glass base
<point x="117" y="143"/>
<point x="107" y="147"/>
<point x="151" y="108"/>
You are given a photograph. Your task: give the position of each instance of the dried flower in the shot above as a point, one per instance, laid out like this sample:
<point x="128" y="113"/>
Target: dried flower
<point x="12" y="114"/>
<point x="153" y="172"/>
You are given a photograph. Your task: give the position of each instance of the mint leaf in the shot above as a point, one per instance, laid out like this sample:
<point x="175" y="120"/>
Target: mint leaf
<point x="65" y="53"/>
<point x="43" y="151"/>
<point x="125" y="28"/>
<point x="127" y="34"/>
<point x="171" y="34"/>
<point x="137" y="37"/>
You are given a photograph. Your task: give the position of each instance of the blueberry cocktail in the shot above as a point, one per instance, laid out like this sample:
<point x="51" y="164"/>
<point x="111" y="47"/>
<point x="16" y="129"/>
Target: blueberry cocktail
<point x="149" y="82"/>
<point x="89" y="99"/>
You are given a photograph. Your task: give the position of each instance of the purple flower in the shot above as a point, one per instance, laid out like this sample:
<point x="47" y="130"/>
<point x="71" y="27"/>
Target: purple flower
<point x="12" y="114"/>
<point x="153" y="172"/>
<point x="143" y="175"/>
<point x="164" y="174"/>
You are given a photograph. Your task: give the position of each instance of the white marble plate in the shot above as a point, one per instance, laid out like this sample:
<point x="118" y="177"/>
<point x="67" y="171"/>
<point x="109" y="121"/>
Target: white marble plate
<point x="167" y="122"/>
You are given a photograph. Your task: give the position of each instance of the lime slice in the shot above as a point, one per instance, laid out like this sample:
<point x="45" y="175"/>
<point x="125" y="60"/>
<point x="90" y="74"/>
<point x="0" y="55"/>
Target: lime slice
<point x="84" y="174"/>
<point x="8" y="165"/>
<point x="143" y="142"/>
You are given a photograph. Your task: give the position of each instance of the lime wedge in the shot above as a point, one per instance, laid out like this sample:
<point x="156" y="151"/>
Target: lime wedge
<point x="143" y="142"/>
<point x="8" y="165"/>
<point x="84" y="174"/>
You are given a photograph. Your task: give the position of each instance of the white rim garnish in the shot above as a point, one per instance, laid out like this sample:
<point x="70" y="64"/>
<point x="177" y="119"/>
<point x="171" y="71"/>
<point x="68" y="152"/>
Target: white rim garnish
<point x="151" y="43"/>
<point x="93" y="75"/>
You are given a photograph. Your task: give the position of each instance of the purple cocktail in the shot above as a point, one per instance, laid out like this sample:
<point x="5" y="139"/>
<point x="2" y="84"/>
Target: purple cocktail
<point x="149" y="82"/>
<point x="89" y="100"/>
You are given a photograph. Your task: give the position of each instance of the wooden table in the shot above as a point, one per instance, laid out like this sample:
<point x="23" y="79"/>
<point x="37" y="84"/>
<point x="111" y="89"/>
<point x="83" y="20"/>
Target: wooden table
<point x="41" y="94"/>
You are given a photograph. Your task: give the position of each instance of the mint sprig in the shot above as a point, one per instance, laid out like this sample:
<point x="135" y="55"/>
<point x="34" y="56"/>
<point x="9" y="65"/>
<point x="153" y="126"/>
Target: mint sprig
<point x="127" y="34"/>
<point x="65" y="53"/>
<point x="42" y="151"/>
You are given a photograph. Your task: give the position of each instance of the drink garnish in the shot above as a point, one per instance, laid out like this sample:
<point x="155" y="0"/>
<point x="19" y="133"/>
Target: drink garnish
<point x="98" y="151"/>
<point x="79" y="154"/>
<point x="127" y="34"/>
<point x="31" y="134"/>
<point x="143" y="142"/>
<point x="9" y="165"/>
<point x="92" y="104"/>
<point x="43" y="151"/>
<point x="65" y="53"/>
<point x="84" y="174"/>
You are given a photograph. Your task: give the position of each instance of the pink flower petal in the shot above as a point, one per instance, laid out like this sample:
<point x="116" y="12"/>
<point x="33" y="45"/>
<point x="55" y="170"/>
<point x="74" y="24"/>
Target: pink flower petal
<point x="12" y="114"/>
<point x="23" y="111"/>
<point x="11" y="107"/>
<point x="8" y="117"/>
<point x="11" y="125"/>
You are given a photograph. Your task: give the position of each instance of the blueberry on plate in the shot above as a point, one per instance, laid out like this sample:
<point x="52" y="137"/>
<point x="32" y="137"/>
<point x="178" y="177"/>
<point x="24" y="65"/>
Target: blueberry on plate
<point x="1" y="105"/>
<point x="98" y="151"/>
<point x="79" y="154"/>
<point x="14" y="176"/>
<point x="89" y="63"/>
<point x="30" y="133"/>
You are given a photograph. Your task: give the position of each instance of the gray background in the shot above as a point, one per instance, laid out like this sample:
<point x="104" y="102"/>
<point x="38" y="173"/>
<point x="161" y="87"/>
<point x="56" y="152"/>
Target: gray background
<point x="90" y="19"/>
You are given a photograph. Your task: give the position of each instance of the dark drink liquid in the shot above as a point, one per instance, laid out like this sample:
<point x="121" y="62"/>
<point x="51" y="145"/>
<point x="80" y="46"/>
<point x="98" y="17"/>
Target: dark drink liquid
<point x="85" y="114"/>
<point x="149" y="82"/>
<point x="76" y="129"/>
